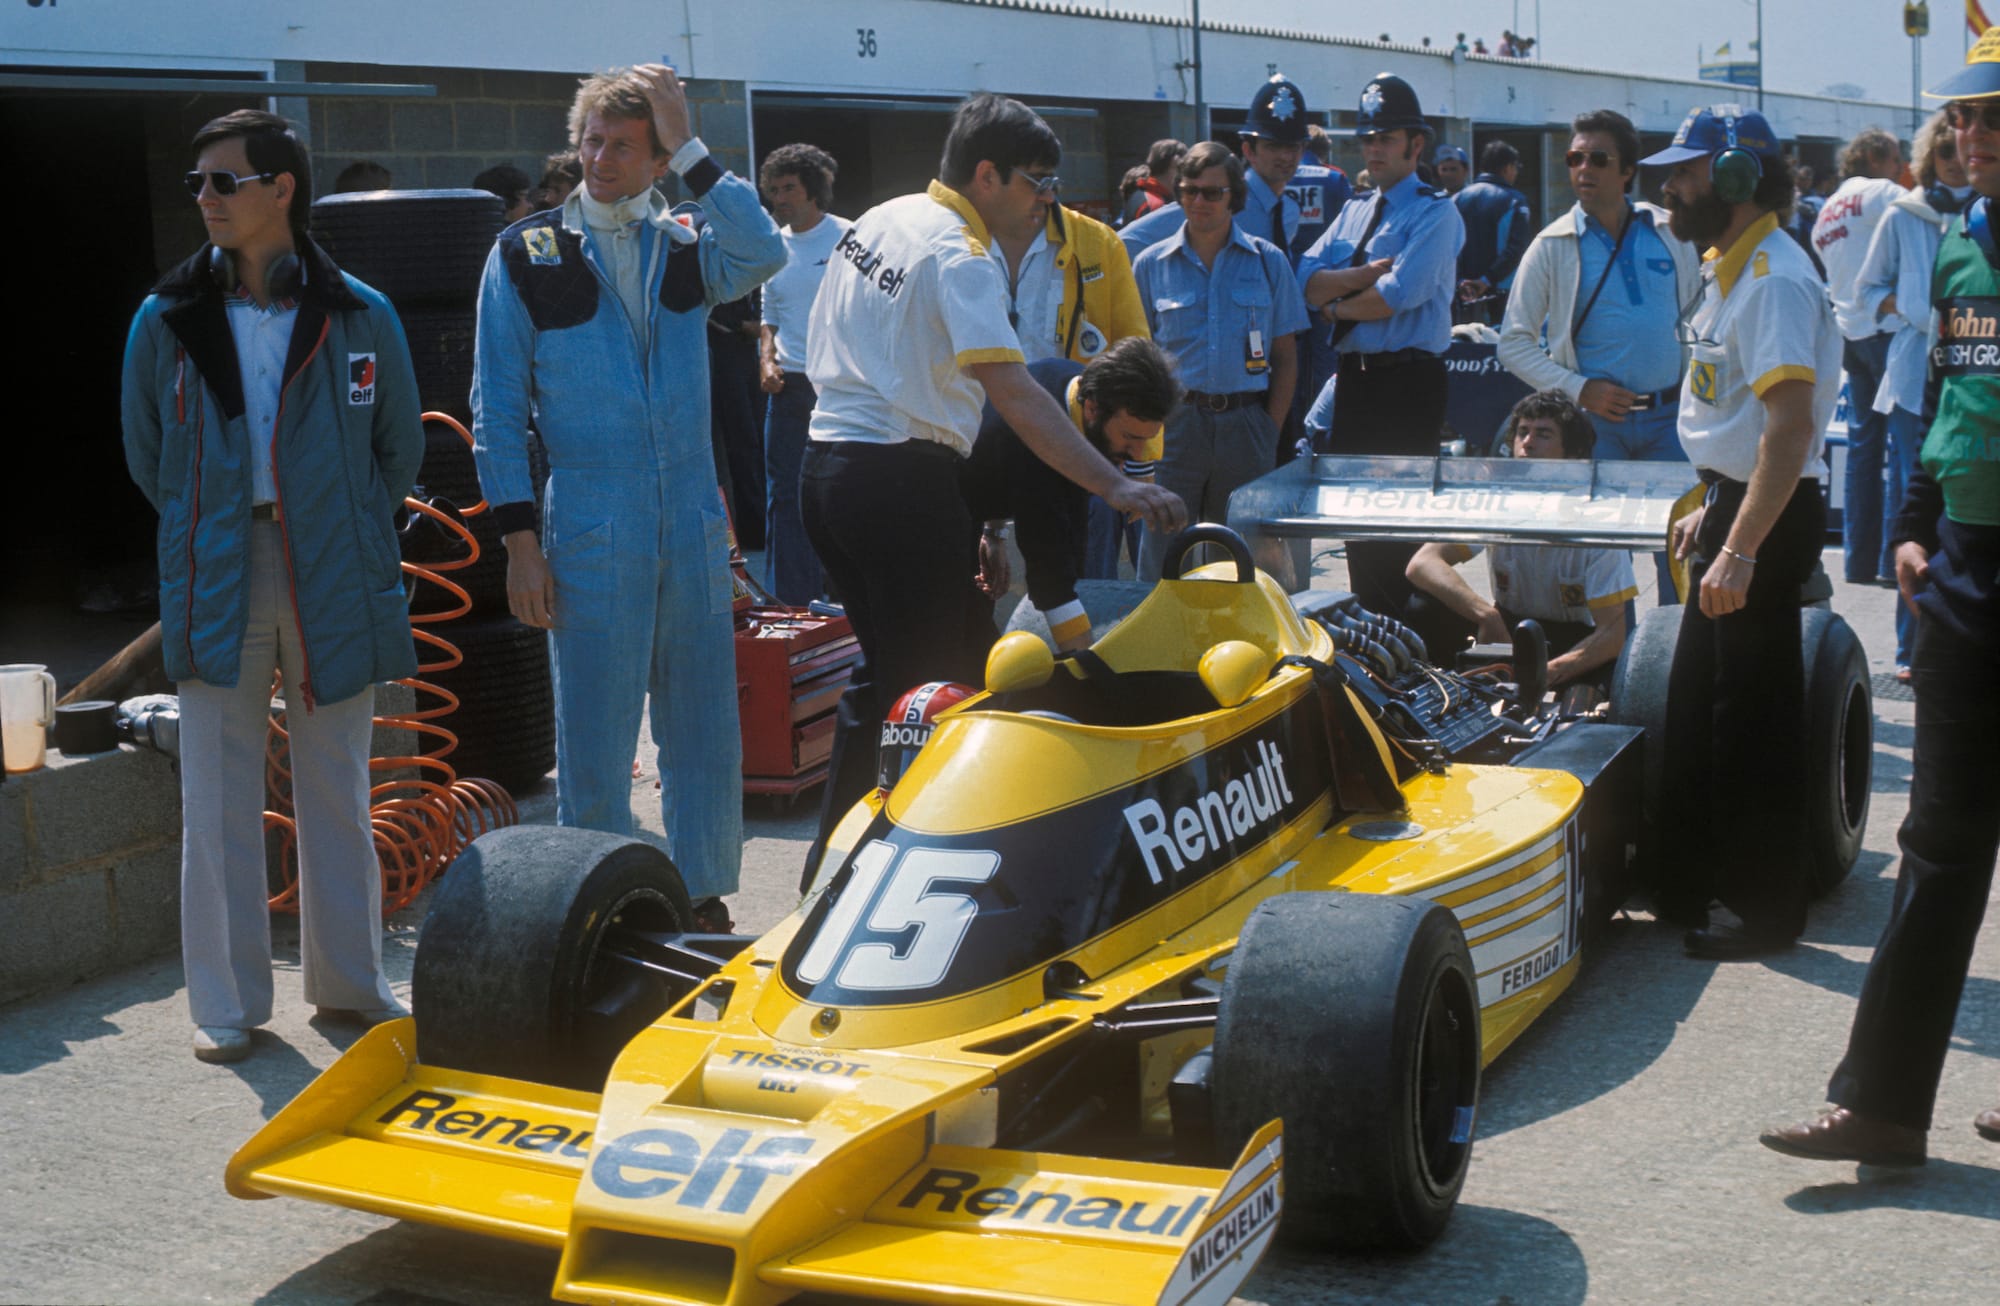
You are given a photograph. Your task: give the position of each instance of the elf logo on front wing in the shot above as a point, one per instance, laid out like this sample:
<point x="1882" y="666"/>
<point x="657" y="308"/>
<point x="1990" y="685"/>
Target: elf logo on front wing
<point x="655" y="1162"/>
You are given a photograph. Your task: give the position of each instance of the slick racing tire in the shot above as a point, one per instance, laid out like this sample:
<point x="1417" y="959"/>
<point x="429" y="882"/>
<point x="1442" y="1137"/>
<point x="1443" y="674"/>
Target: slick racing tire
<point x="518" y="971"/>
<point x="1840" y="715"/>
<point x="1354" y="1017"/>
<point x="1840" y="746"/>
<point x="415" y="246"/>
<point x="1639" y="698"/>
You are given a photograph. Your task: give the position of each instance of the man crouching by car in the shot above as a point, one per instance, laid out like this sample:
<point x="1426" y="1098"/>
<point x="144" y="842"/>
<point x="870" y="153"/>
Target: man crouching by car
<point x="1577" y="595"/>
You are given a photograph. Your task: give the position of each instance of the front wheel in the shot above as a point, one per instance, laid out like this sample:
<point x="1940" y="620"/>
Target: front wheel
<point x="1356" y="1019"/>
<point x="519" y="972"/>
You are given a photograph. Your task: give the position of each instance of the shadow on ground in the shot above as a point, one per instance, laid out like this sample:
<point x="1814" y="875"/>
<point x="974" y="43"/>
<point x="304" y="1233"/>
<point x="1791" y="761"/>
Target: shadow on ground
<point x="1950" y="1187"/>
<point x="41" y="1030"/>
<point x="1486" y="1255"/>
<point x="1619" y="1016"/>
<point x="435" y="1267"/>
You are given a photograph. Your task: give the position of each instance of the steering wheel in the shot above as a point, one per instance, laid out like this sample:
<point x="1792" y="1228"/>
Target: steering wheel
<point x="1209" y="533"/>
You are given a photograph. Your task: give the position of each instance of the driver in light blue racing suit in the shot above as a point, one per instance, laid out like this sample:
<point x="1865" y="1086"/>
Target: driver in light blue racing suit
<point x="593" y="316"/>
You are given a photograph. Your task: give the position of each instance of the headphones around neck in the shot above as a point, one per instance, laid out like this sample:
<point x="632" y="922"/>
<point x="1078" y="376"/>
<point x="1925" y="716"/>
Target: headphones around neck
<point x="1735" y="171"/>
<point x="282" y="280"/>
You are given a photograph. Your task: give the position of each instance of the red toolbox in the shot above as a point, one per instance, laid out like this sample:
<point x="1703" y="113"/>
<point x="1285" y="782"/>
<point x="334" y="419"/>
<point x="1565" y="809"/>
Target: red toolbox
<point x="792" y="665"/>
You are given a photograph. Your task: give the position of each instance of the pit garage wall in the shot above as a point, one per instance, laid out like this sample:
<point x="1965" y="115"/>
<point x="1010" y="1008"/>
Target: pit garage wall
<point x="872" y="47"/>
<point x="479" y="118"/>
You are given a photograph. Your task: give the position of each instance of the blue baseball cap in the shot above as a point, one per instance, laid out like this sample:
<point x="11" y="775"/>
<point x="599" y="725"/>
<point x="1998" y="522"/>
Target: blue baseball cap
<point x="1453" y="152"/>
<point x="1705" y="133"/>
<point x="1980" y="78"/>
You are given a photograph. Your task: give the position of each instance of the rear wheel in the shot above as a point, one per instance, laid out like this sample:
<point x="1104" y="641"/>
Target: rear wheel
<point x="518" y="971"/>
<point x="1840" y="715"/>
<point x="1356" y="1019"/>
<point x="1840" y="744"/>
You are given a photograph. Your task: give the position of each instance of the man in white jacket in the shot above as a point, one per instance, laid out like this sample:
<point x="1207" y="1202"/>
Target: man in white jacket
<point x="1596" y="301"/>
<point x="1840" y="236"/>
<point x="1895" y="286"/>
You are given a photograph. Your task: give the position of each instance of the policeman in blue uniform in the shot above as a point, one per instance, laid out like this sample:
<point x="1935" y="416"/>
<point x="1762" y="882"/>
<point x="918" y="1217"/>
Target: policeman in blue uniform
<point x="1382" y="279"/>
<point x="1226" y="306"/>
<point x="1320" y="192"/>
<point x="1273" y="140"/>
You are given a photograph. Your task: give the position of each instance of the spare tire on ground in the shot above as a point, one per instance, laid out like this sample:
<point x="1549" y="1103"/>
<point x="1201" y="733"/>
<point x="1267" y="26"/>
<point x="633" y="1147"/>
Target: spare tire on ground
<point x="415" y="246"/>
<point x="506" y="718"/>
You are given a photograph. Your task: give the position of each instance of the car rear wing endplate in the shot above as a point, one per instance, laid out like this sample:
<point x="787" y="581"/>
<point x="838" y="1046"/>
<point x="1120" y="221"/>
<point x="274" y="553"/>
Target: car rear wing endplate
<point x="1616" y="505"/>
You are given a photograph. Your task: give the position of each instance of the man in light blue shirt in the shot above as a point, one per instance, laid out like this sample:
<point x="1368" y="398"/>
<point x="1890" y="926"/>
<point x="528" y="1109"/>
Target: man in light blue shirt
<point x="1226" y="306"/>
<point x="1383" y="276"/>
<point x="1596" y="301"/>
<point x="1273" y="142"/>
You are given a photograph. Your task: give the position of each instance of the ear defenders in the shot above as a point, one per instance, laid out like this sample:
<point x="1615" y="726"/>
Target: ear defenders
<point x="282" y="280"/>
<point x="1735" y="171"/>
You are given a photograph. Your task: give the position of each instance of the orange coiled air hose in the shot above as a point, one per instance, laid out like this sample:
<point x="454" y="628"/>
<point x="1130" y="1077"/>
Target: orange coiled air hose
<point x="425" y="815"/>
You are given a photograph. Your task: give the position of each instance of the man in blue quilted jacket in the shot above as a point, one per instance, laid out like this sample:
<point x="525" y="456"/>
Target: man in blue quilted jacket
<point x="594" y="317"/>
<point x="270" y="415"/>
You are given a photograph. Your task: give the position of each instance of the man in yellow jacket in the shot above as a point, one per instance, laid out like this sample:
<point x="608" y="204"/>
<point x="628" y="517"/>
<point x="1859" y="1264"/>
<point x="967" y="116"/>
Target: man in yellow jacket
<point x="1070" y="294"/>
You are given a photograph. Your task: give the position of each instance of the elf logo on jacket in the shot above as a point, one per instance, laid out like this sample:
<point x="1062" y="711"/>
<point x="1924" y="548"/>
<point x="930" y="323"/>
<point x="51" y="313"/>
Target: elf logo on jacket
<point x="361" y="379"/>
<point x="1311" y="201"/>
<point x="540" y="243"/>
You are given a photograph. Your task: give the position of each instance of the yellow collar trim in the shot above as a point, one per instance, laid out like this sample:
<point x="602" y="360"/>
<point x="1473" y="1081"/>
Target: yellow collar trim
<point x="959" y="204"/>
<point x="1729" y="266"/>
<point x="1074" y="397"/>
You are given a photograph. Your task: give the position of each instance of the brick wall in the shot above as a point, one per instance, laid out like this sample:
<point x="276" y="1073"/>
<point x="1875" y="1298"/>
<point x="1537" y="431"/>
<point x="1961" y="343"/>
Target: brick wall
<point x="90" y="857"/>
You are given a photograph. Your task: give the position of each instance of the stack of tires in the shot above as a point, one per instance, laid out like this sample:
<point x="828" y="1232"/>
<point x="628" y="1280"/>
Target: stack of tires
<point x="425" y="250"/>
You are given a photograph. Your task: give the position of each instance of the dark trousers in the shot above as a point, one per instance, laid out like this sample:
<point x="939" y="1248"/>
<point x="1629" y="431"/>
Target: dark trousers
<point x="1950" y="839"/>
<point x="899" y="545"/>
<point x="1735" y="747"/>
<point x="1867" y="441"/>
<point x="736" y="428"/>
<point x="791" y="568"/>
<point x="1386" y="410"/>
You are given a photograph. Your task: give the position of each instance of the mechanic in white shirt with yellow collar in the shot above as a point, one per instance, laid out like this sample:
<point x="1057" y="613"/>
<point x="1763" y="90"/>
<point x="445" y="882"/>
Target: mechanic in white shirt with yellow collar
<point x="1763" y="374"/>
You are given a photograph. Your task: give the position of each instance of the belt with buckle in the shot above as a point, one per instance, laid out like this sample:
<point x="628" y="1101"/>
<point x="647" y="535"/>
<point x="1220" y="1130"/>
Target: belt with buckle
<point x="1209" y="403"/>
<point x="1669" y="396"/>
<point x="263" y="512"/>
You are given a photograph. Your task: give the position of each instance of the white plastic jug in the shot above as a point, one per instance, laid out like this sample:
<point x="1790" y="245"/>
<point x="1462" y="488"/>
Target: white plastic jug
<point x="27" y="710"/>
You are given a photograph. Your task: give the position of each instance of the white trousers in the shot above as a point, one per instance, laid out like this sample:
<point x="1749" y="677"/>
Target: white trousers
<point x="225" y="922"/>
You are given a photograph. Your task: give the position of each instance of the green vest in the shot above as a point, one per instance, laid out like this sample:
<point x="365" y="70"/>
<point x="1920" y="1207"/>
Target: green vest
<point x="1962" y="451"/>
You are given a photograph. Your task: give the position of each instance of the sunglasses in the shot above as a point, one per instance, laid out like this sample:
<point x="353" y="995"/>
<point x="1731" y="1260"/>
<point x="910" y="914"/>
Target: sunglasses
<point x="1209" y="193"/>
<point x="1595" y="158"/>
<point x="1964" y="115"/>
<point x="225" y="183"/>
<point x="1043" y="185"/>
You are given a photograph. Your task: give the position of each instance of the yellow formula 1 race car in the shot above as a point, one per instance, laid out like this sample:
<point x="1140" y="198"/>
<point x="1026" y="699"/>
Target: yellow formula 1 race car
<point x="1151" y="954"/>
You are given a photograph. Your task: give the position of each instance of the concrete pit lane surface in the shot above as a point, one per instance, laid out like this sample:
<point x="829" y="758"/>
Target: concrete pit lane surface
<point x="1616" y="1161"/>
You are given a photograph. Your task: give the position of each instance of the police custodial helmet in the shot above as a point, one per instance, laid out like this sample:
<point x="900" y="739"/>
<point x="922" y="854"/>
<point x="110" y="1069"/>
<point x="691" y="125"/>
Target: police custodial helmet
<point x="1277" y="113"/>
<point x="1387" y="103"/>
<point x="908" y="726"/>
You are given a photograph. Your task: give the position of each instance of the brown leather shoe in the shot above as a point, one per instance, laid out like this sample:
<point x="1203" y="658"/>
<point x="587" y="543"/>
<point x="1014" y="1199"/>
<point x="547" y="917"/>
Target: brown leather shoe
<point x="1987" y="1122"/>
<point x="1841" y="1135"/>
